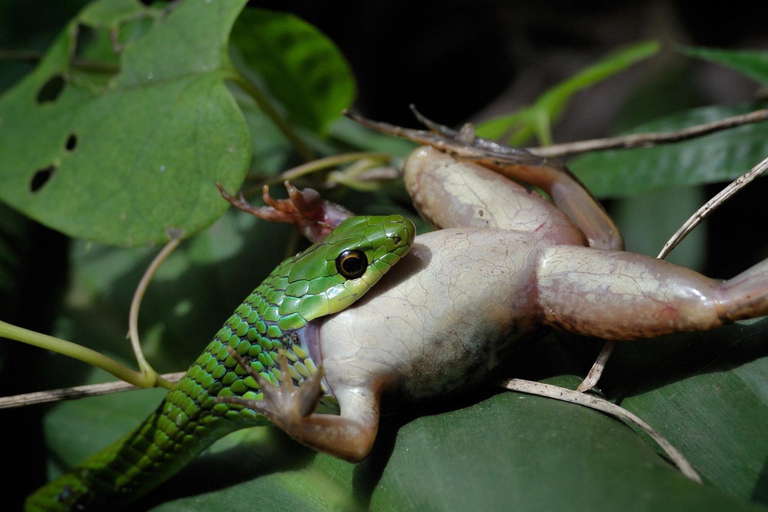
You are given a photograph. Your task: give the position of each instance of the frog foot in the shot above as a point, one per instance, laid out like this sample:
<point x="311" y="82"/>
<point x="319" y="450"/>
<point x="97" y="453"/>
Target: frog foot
<point x="285" y="404"/>
<point x="305" y="209"/>
<point x="348" y="436"/>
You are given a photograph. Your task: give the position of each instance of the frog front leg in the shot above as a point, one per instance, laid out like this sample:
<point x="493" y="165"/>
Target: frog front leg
<point x="349" y="436"/>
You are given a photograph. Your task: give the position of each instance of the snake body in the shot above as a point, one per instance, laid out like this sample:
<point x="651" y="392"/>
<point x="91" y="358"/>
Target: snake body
<point x="326" y="278"/>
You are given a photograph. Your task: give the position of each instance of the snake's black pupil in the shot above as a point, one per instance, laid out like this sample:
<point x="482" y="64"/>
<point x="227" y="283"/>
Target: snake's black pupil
<point x="351" y="263"/>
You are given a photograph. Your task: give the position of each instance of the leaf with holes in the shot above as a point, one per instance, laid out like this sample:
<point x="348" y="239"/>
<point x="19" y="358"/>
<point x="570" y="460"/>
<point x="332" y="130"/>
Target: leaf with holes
<point x="120" y="148"/>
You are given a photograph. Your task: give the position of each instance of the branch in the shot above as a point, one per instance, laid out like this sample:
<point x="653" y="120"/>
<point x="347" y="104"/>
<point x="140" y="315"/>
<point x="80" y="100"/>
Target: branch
<point x="711" y="205"/>
<point x="598" y="404"/>
<point x="644" y="140"/>
<point x="57" y="395"/>
<point x="264" y="104"/>
<point x="133" y="315"/>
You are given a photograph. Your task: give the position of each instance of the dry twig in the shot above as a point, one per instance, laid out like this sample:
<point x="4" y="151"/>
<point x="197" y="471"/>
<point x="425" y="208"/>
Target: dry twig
<point x="598" y="404"/>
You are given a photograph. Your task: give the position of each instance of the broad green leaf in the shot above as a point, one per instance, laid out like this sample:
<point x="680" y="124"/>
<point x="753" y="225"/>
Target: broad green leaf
<point x="707" y="393"/>
<point x="753" y="64"/>
<point x="503" y="453"/>
<point x="721" y="156"/>
<point x="121" y="160"/>
<point x="538" y="118"/>
<point x="110" y="14"/>
<point x="298" y="65"/>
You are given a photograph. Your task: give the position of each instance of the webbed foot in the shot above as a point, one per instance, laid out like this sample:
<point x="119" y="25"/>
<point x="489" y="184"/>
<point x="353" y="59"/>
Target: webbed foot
<point x="284" y="404"/>
<point x="305" y="209"/>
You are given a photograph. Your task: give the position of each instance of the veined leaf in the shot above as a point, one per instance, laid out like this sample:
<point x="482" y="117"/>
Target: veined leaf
<point x="123" y="159"/>
<point x="296" y="63"/>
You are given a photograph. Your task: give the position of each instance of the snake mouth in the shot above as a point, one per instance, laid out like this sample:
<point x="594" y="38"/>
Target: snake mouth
<point x="309" y="338"/>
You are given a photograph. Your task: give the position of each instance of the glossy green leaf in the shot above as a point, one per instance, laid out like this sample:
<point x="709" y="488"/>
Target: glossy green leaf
<point x="124" y="157"/>
<point x="707" y="393"/>
<point x="649" y="220"/>
<point x="298" y="65"/>
<point x="538" y="118"/>
<point x="753" y="64"/>
<point x="721" y="156"/>
<point x="506" y="452"/>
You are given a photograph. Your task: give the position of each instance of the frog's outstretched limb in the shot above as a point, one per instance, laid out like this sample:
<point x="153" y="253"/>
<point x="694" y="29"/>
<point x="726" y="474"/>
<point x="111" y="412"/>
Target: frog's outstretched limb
<point x="622" y="296"/>
<point x="550" y="175"/>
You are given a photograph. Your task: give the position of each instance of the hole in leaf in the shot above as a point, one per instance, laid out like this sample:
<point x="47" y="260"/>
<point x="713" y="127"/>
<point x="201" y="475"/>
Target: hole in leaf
<point x="71" y="142"/>
<point x="85" y="36"/>
<point x="41" y="177"/>
<point x="95" y="59"/>
<point x="51" y="90"/>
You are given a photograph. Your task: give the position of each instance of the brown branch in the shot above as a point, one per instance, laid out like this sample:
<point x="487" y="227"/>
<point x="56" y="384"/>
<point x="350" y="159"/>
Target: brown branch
<point x="711" y="205"/>
<point x="644" y="140"/>
<point x="57" y="395"/>
<point x="598" y="404"/>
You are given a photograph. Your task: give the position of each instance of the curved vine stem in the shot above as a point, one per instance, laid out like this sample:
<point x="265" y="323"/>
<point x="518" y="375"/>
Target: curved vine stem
<point x="146" y="377"/>
<point x="266" y="106"/>
<point x="328" y="162"/>
<point x="133" y="317"/>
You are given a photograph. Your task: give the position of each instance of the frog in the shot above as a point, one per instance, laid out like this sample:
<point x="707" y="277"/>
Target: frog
<point x="504" y="265"/>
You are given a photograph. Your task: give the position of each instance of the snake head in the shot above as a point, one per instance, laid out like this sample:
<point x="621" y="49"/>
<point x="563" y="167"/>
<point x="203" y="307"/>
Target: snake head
<point x="336" y="271"/>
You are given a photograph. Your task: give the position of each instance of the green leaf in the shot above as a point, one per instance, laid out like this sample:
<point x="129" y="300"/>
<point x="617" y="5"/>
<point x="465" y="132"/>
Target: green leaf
<point x="707" y="393"/>
<point x="504" y="453"/>
<point x="648" y="220"/>
<point x="538" y="118"/>
<point x="753" y="64"/>
<point x="721" y="156"/>
<point x="123" y="160"/>
<point x="298" y="65"/>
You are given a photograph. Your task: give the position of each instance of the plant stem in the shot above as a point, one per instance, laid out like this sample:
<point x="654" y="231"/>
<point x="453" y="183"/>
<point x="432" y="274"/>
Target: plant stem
<point x="264" y="104"/>
<point x="80" y="353"/>
<point x="57" y="395"/>
<point x="133" y="316"/>
<point x="327" y="162"/>
<point x="646" y="140"/>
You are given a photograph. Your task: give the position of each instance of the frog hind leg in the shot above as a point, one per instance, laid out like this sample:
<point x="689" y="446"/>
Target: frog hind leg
<point x="618" y="295"/>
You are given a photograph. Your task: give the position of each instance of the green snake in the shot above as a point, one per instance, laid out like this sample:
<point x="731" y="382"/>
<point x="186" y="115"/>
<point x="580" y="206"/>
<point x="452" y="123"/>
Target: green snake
<point x="326" y="278"/>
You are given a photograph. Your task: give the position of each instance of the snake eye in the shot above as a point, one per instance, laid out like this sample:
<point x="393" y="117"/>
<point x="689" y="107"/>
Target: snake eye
<point x="351" y="263"/>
